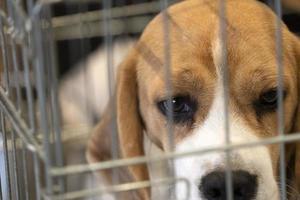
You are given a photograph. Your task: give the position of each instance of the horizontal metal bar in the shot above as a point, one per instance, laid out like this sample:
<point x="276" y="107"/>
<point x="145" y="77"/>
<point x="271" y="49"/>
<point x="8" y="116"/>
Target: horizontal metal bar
<point x="21" y="79"/>
<point x="19" y="124"/>
<point x="72" y="26"/>
<point x="38" y="6"/>
<point x="41" y="3"/>
<point x="116" y="12"/>
<point x="76" y="133"/>
<point x="74" y="169"/>
<point x="93" y="29"/>
<point x="119" y="188"/>
<point x="136" y="9"/>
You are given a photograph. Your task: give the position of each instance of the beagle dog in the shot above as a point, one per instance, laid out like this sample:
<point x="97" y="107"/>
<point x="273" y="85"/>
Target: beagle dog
<point x="143" y="104"/>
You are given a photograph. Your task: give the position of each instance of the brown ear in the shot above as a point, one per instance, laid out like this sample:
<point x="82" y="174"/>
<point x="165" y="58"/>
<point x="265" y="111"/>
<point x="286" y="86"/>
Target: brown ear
<point x="129" y="128"/>
<point x="294" y="147"/>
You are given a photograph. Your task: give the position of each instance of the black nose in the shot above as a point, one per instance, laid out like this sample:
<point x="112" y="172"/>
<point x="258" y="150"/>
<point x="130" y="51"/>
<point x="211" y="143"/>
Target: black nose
<point x="213" y="185"/>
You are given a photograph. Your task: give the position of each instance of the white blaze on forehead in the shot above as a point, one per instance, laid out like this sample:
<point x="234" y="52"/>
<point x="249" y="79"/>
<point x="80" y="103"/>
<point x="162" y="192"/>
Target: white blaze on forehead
<point x="219" y="55"/>
<point x="212" y="133"/>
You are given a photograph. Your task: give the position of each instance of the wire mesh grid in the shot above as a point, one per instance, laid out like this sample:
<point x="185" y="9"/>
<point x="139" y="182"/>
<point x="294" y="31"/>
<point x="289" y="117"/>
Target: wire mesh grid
<point x="36" y="146"/>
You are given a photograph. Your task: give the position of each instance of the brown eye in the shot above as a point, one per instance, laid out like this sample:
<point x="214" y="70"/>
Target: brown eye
<point x="182" y="108"/>
<point x="269" y="98"/>
<point x="268" y="101"/>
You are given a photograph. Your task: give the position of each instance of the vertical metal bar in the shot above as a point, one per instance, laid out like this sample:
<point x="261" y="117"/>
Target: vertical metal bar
<point x="15" y="165"/>
<point x="225" y="84"/>
<point x="16" y="74"/>
<point x="30" y="5"/>
<point x="4" y="55"/>
<point x="15" y="20"/>
<point x="3" y="187"/>
<point x="29" y="95"/>
<point x="107" y="4"/>
<point x="84" y="49"/>
<point x="40" y="84"/>
<point x="280" y="70"/>
<point x="25" y="172"/>
<point x="54" y="105"/>
<point x="1" y="196"/>
<point x="37" y="175"/>
<point x="20" y="167"/>
<point x="6" y="158"/>
<point x="31" y="116"/>
<point x="167" y="68"/>
<point x="4" y="165"/>
<point x="108" y="44"/>
<point x="31" y="47"/>
<point x="10" y="9"/>
<point x="9" y="48"/>
<point x="169" y="88"/>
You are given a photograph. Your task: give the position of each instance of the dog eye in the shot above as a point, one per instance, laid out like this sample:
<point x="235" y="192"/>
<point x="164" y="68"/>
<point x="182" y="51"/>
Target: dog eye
<point x="182" y="108"/>
<point x="268" y="100"/>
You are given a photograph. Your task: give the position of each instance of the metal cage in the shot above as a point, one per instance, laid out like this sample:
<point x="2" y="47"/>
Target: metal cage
<point x="34" y="144"/>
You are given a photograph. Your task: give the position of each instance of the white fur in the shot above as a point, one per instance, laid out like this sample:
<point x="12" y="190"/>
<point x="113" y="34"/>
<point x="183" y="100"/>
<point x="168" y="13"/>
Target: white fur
<point x="211" y="133"/>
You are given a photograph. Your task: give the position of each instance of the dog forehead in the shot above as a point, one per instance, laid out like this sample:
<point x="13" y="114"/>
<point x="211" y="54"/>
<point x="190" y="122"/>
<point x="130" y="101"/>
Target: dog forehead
<point x="199" y="20"/>
<point x="192" y="41"/>
<point x="192" y="28"/>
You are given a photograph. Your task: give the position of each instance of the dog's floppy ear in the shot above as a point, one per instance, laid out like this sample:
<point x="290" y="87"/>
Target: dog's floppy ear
<point x="294" y="147"/>
<point x="129" y="127"/>
<point x="296" y="45"/>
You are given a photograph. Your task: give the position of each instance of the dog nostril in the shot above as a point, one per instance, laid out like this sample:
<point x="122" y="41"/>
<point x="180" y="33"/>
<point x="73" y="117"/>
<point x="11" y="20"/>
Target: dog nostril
<point x="215" y="192"/>
<point x="239" y="192"/>
<point x="213" y="185"/>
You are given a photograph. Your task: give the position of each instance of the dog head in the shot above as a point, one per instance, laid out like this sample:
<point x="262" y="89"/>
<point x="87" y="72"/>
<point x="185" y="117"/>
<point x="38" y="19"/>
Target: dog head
<point x="194" y="56"/>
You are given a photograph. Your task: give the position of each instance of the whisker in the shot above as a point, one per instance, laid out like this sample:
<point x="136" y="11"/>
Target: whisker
<point x="291" y="191"/>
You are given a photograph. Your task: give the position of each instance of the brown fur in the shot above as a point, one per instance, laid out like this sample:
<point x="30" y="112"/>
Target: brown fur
<point x="128" y="122"/>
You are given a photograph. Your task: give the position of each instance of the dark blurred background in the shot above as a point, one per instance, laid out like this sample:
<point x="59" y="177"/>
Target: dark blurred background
<point x="72" y="51"/>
